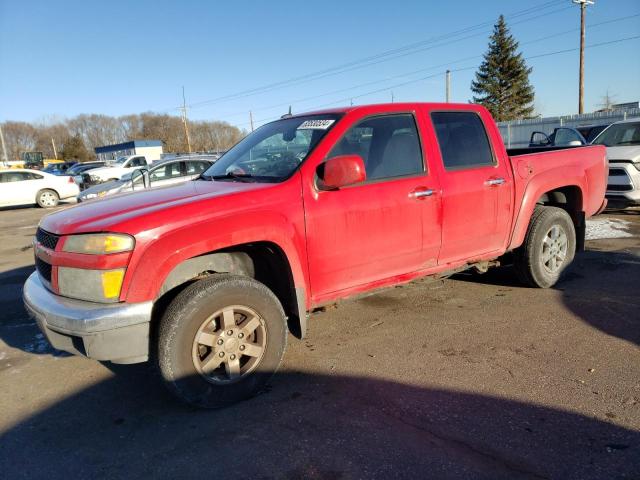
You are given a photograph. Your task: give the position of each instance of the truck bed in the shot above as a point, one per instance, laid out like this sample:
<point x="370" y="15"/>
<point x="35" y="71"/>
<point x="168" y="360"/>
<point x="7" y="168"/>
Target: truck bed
<point x="514" y="152"/>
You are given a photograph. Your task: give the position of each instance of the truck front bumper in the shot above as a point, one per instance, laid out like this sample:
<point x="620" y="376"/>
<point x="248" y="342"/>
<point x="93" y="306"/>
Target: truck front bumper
<point x="116" y="332"/>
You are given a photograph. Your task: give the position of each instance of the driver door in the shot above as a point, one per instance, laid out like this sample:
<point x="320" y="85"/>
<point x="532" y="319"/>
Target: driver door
<point x="382" y="228"/>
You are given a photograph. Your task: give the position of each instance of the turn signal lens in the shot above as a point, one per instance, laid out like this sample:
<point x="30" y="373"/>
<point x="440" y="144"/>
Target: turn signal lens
<point x="98" y="243"/>
<point x="111" y="283"/>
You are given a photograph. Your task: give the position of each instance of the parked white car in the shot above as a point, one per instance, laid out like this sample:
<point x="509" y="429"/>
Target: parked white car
<point x="115" y="169"/>
<point x="24" y="187"/>
<point x="162" y="173"/>
<point x="622" y="140"/>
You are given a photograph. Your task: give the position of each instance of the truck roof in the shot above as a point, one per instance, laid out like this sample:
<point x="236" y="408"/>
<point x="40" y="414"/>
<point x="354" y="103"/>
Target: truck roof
<point x="382" y="106"/>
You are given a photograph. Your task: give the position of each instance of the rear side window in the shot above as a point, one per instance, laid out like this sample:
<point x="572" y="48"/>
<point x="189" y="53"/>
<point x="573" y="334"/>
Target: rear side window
<point x="389" y="146"/>
<point x="9" y="177"/>
<point x="166" y="172"/>
<point x="462" y="139"/>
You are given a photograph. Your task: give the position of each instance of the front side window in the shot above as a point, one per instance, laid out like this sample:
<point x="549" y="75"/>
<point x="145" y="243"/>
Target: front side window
<point x="389" y="146"/>
<point x="274" y="151"/>
<point x="564" y="136"/>
<point x="194" y="168"/>
<point x="620" y="135"/>
<point x="462" y="140"/>
<point x="137" y="162"/>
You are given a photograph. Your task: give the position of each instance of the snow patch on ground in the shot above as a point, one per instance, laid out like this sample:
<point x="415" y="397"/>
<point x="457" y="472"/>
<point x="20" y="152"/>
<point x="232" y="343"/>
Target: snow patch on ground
<point x="601" y="228"/>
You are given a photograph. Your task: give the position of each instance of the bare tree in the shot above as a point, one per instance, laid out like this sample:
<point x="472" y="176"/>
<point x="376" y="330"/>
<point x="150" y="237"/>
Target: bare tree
<point x="607" y="101"/>
<point x="97" y="130"/>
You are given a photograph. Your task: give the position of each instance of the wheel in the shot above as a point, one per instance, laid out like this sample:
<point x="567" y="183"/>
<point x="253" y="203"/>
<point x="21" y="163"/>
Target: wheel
<point x="549" y="247"/>
<point x="47" y="198"/>
<point x="220" y="340"/>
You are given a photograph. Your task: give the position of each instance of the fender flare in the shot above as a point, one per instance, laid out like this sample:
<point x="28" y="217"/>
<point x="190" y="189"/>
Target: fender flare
<point x="546" y="182"/>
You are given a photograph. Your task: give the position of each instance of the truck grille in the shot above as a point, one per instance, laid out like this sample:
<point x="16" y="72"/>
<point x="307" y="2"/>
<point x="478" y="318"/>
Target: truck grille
<point x="619" y="181"/>
<point x="46" y="239"/>
<point x="619" y="188"/>
<point x="44" y="269"/>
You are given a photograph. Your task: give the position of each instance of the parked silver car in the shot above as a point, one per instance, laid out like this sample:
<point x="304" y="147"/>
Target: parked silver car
<point x="161" y="174"/>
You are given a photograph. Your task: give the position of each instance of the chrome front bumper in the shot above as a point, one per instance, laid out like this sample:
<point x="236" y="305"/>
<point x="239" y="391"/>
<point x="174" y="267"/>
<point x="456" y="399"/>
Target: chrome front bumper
<point x="116" y="332"/>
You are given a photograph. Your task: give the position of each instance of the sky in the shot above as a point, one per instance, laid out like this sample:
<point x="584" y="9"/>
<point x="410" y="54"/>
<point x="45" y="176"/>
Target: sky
<point x="59" y="59"/>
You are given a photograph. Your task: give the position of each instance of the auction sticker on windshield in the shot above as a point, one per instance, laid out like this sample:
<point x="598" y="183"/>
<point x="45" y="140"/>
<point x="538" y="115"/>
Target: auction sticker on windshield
<point x="315" y="124"/>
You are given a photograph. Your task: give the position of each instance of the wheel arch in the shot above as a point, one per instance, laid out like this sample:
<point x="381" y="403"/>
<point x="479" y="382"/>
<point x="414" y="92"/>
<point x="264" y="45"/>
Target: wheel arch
<point x="264" y="261"/>
<point x="569" y="196"/>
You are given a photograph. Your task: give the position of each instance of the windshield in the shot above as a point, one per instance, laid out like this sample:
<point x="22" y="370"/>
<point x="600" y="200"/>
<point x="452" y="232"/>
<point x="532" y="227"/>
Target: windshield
<point x="272" y="152"/>
<point x="619" y="135"/>
<point x="118" y="161"/>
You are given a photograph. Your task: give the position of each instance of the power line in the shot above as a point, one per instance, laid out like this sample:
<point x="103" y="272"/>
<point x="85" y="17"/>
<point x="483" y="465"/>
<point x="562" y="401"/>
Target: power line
<point x="367" y="61"/>
<point x="433" y="67"/>
<point x="547" y="54"/>
<point x="424" y="69"/>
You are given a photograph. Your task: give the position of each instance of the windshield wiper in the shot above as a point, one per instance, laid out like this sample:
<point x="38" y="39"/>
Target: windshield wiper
<point x="243" y="177"/>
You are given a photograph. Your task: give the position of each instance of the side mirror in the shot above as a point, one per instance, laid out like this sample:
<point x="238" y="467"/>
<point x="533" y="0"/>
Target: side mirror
<point x="140" y="175"/>
<point x="343" y="171"/>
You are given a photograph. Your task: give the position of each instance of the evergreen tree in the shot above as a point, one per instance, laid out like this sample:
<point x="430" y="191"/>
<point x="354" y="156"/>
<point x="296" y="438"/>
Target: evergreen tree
<point x="75" y="149"/>
<point x="502" y="81"/>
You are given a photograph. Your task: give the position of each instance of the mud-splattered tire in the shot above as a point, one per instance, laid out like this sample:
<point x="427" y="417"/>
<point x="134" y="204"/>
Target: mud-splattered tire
<point x="47" y="198"/>
<point x="548" y="249"/>
<point x="220" y="340"/>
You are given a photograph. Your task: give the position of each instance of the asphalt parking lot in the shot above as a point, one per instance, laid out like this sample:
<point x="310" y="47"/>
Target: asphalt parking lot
<point x="469" y="377"/>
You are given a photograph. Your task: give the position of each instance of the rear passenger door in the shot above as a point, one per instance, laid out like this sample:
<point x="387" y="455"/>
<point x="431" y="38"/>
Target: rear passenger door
<point x="476" y="187"/>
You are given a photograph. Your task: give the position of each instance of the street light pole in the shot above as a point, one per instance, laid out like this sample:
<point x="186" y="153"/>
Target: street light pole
<point x="583" y="9"/>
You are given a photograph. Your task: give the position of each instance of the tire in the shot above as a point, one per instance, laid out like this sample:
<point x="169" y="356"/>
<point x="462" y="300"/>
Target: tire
<point x="47" y="198"/>
<point x="194" y="334"/>
<point x="542" y="259"/>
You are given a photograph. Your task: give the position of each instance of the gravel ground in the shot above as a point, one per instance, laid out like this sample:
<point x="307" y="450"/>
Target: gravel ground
<point x="469" y="377"/>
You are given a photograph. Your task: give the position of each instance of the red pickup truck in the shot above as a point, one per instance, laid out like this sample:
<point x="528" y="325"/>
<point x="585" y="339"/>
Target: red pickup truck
<point x="208" y="277"/>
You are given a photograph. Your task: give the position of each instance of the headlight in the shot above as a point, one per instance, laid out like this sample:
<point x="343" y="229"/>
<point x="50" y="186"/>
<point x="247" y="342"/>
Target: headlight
<point x="91" y="285"/>
<point x="89" y="195"/>
<point x="98" y="243"/>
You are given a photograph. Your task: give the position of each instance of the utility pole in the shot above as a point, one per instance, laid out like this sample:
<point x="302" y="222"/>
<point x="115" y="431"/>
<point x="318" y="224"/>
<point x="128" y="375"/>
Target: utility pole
<point x="392" y="97"/>
<point x="53" y="144"/>
<point x="251" y="119"/>
<point x="583" y="9"/>
<point x="184" y="120"/>
<point x="5" y="159"/>
<point x="448" y="86"/>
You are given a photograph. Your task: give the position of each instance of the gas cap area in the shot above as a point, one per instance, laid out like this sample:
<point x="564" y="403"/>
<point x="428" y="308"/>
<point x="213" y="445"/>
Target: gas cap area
<point x="524" y="169"/>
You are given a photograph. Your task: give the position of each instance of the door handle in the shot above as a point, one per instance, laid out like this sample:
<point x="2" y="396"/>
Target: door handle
<point x="421" y="193"/>
<point x="494" y="182"/>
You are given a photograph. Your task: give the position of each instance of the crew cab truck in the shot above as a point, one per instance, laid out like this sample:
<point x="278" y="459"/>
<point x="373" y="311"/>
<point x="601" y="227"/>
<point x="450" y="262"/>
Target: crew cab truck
<point x="206" y="278"/>
<point x="114" y="170"/>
